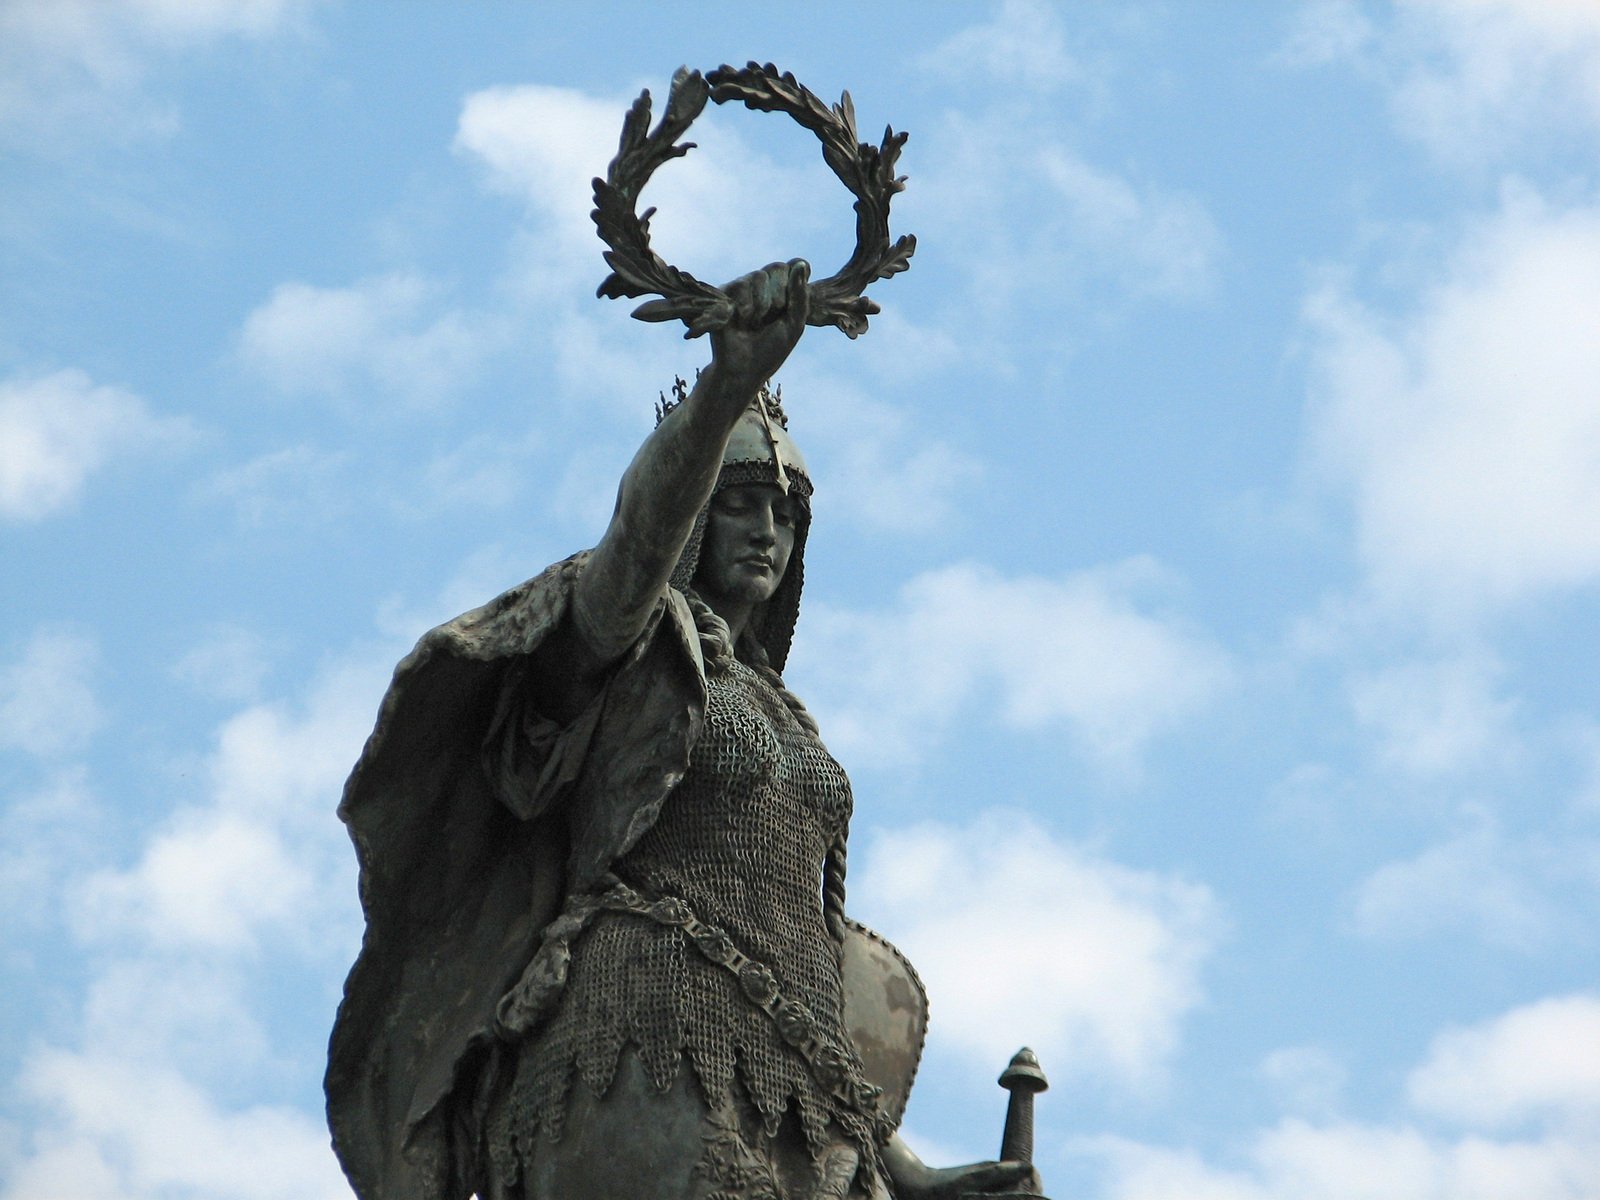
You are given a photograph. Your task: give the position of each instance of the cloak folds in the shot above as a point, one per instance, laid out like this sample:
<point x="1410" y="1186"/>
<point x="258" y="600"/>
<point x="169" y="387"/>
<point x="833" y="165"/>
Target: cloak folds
<point x="456" y="888"/>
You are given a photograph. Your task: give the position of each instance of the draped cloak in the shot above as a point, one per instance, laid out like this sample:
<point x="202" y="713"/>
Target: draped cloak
<point x="456" y="888"/>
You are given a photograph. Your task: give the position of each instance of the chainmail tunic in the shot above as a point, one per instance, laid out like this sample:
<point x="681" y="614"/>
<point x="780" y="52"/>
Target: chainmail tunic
<point x="742" y="840"/>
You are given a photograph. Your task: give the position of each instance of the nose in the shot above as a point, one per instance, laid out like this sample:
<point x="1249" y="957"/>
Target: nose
<point x="763" y="528"/>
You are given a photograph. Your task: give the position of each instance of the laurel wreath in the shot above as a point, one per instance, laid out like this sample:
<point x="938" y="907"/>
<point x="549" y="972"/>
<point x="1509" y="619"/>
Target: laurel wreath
<point x="867" y="170"/>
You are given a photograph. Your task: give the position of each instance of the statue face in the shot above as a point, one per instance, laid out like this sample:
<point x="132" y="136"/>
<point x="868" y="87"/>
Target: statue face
<point x="748" y="539"/>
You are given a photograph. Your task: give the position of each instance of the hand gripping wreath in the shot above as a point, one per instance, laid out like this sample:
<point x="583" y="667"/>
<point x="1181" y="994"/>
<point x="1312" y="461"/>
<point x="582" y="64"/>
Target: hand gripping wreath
<point x="868" y="171"/>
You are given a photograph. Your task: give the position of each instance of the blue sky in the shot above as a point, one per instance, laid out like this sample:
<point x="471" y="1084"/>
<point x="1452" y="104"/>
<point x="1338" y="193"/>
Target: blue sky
<point x="1202" y="590"/>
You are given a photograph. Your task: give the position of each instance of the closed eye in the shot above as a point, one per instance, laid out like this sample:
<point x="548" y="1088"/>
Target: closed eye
<point x="732" y="502"/>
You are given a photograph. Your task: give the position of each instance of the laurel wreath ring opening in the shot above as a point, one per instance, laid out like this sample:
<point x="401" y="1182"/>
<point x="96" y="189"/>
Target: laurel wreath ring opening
<point x="867" y="170"/>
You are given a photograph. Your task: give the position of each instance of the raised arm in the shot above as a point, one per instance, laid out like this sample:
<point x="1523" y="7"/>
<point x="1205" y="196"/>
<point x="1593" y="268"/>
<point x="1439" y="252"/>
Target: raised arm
<point x="671" y="478"/>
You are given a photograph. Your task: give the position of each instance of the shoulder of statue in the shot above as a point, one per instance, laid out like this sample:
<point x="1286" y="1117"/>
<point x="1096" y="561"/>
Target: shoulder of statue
<point x="681" y="618"/>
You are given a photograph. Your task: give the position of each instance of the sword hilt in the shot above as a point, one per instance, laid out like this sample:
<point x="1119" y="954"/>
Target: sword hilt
<point x="1023" y="1079"/>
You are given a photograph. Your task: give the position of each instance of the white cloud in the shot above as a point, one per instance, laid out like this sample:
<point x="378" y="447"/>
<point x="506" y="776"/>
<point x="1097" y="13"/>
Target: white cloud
<point x="883" y="471"/>
<point x="1020" y="936"/>
<point x="1485" y="75"/>
<point x="194" y="1016"/>
<point x="1350" y="1160"/>
<point x="1541" y="1060"/>
<point x="74" y="66"/>
<point x="891" y="484"/>
<point x="1479" y="881"/>
<point x="1088" y="229"/>
<point x="1437" y="717"/>
<point x="194" y="946"/>
<point x="1307" y="1080"/>
<point x="543" y="145"/>
<point x="46" y="834"/>
<point x="1167" y="244"/>
<point x="1083" y="653"/>
<point x="295" y="485"/>
<point x="58" y="430"/>
<point x="1025" y="45"/>
<point x="596" y="383"/>
<point x="1538" y="1063"/>
<point x="1326" y="31"/>
<point x="286" y="760"/>
<point x="725" y="208"/>
<point x="483" y="472"/>
<point x="481" y="575"/>
<point x="1476" y="82"/>
<point x="134" y="1130"/>
<point x="1582" y="739"/>
<point x="47" y="701"/>
<point x="1468" y="434"/>
<point x="228" y="663"/>
<point x="376" y="341"/>
<point x="1347" y="1160"/>
<point x="186" y="21"/>
<point x="1133" y="1171"/>
<point x="264" y="856"/>
<point x="210" y="882"/>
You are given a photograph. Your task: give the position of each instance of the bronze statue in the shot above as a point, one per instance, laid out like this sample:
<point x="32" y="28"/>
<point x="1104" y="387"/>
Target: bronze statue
<point x="602" y="845"/>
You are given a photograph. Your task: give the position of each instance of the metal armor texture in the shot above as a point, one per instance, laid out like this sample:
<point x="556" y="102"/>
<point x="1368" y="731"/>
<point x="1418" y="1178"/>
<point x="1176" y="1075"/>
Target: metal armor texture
<point x="741" y="842"/>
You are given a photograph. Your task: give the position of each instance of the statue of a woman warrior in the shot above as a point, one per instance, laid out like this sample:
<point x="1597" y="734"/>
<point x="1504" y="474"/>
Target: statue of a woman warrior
<point x="603" y="858"/>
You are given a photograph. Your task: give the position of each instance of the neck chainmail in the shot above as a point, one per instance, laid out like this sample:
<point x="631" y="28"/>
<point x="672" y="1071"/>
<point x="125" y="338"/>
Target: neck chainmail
<point x="742" y="842"/>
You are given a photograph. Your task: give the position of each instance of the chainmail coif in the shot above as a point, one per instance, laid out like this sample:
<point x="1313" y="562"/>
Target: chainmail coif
<point x="742" y="840"/>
